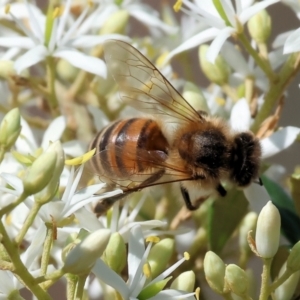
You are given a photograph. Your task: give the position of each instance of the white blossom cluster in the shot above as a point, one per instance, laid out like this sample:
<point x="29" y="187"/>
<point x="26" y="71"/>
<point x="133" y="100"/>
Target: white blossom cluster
<point x="56" y="93"/>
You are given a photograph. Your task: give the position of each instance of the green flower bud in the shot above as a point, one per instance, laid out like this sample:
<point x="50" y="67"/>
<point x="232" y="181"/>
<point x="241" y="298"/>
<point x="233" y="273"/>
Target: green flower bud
<point x="218" y="72"/>
<point x="10" y="128"/>
<point x="115" y="253"/>
<point x="40" y="173"/>
<point x="66" y="71"/>
<point x="50" y="190"/>
<point x="214" y="269"/>
<point x="236" y="279"/>
<point x="184" y="282"/>
<point x="248" y="224"/>
<point x="82" y="257"/>
<point x="194" y="96"/>
<point x="7" y="70"/>
<point x="160" y="255"/>
<point x="260" y="27"/>
<point x="268" y="231"/>
<point x="287" y="289"/>
<point x="116" y="23"/>
<point x="293" y="261"/>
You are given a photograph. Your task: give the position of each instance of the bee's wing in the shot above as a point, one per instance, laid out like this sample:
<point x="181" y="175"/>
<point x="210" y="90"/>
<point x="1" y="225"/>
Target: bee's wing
<point x="123" y="170"/>
<point x="142" y="84"/>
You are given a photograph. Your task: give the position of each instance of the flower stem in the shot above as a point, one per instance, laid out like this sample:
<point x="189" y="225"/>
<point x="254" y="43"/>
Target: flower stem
<point x="265" y="278"/>
<point x="52" y="99"/>
<point x="47" y="248"/>
<point x="28" y="222"/>
<point x="80" y="286"/>
<point x="280" y="281"/>
<point x="20" y="269"/>
<point x="262" y="63"/>
<point x="287" y="72"/>
<point x="71" y="286"/>
<point x="12" y="205"/>
<point x="2" y="153"/>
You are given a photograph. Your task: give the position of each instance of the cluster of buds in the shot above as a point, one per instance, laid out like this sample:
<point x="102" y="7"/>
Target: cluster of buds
<point x="226" y="279"/>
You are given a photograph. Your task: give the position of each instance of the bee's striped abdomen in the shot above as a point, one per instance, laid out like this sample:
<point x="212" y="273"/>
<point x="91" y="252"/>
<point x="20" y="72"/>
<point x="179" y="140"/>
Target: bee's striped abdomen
<point x="122" y="147"/>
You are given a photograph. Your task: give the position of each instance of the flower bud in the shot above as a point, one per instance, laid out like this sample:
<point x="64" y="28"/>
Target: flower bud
<point x="287" y="289"/>
<point x="50" y="190"/>
<point x="248" y="224"/>
<point x="214" y="269"/>
<point x="82" y="257"/>
<point x="116" y="23"/>
<point x="10" y="128"/>
<point x="217" y="72"/>
<point x="40" y="173"/>
<point x="184" y="282"/>
<point x="236" y="279"/>
<point x="194" y="96"/>
<point x="260" y="27"/>
<point x="268" y="231"/>
<point x="66" y="71"/>
<point x="293" y="261"/>
<point x="160" y="255"/>
<point x="115" y="253"/>
<point x="7" y="70"/>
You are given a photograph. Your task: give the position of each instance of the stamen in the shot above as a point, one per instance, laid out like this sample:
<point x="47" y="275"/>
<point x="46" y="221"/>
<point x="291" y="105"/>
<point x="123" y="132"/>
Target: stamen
<point x="177" y="6"/>
<point x="147" y="270"/>
<point x="152" y="239"/>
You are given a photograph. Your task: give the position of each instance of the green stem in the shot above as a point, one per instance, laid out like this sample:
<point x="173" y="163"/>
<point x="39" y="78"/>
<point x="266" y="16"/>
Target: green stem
<point x="261" y="63"/>
<point x="20" y="269"/>
<point x="11" y="206"/>
<point x="2" y="153"/>
<point x="279" y="281"/>
<point x="265" y="279"/>
<point x="227" y="296"/>
<point x="52" y="276"/>
<point x="276" y="90"/>
<point x="80" y="286"/>
<point x="52" y="99"/>
<point x="28" y="222"/>
<point x="47" y="248"/>
<point x="71" y="286"/>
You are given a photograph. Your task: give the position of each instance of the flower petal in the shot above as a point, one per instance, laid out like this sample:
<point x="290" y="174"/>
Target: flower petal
<point x="86" y="41"/>
<point x="240" y="117"/>
<point x="217" y="43"/>
<point x="108" y="276"/>
<point x="194" y="41"/>
<point x="54" y="131"/>
<point x="257" y="196"/>
<point x="30" y="58"/>
<point x="20" y="42"/>
<point x="90" y="64"/>
<point x="292" y="43"/>
<point x="279" y="141"/>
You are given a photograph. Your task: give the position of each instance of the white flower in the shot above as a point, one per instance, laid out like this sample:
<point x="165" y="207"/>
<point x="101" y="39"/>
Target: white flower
<point x="8" y="284"/>
<point x="140" y="11"/>
<point x="137" y="279"/>
<point x="220" y="27"/>
<point x="292" y="43"/>
<point x="61" y="42"/>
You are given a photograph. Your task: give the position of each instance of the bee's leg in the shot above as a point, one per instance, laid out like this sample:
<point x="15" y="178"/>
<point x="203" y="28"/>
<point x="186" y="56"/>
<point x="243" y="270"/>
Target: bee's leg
<point x="105" y="204"/>
<point x="220" y="189"/>
<point x="186" y="198"/>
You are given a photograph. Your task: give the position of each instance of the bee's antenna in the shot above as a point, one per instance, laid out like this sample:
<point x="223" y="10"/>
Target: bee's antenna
<point x="258" y="181"/>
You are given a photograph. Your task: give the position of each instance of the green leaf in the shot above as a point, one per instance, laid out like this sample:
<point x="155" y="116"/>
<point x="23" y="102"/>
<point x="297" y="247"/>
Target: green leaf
<point x="278" y="195"/>
<point x="225" y="215"/>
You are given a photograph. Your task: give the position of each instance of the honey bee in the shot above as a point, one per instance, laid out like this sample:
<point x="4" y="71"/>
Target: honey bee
<point x="172" y="143"/>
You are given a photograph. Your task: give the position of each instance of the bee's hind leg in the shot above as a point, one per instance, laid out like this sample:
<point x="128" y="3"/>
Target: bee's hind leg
<point x="187" y="200"/>
<point x="105" y="204"/>
<point x="220" y="189"/>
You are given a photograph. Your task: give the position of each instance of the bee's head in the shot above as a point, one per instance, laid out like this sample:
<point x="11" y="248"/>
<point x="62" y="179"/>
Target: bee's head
<point x="245" y="158"/>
